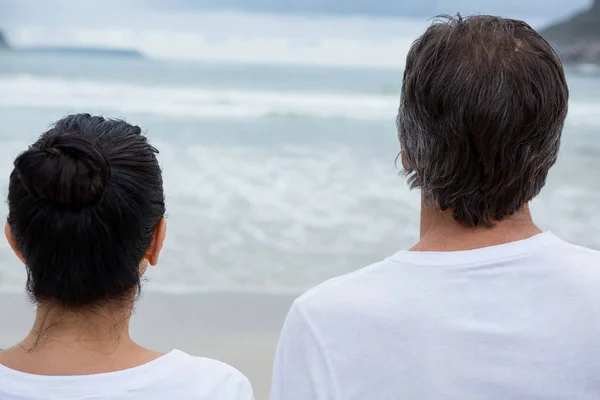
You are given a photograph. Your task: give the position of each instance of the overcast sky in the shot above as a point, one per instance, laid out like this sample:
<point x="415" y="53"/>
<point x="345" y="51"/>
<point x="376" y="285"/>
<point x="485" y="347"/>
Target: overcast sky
<point x="28" y="11"/>
<point x="340" y="32"/>
<point x="419" y="8"/>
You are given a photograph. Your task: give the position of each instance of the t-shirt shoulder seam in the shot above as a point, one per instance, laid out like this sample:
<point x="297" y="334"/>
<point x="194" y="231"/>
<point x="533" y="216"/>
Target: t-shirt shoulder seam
<point x="316" y="339"/>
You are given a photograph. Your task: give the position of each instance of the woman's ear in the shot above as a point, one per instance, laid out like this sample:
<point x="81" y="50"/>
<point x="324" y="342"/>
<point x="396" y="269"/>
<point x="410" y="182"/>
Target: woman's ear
<point x="158" y="239"/>
<point x="12" y="242"/>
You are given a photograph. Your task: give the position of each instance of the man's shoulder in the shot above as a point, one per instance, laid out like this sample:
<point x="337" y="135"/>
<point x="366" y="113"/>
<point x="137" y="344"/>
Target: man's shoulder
<point x="342" y="291"/>
<point x="566" y="253"/>
<point x="397" y="276"/>
<point x="580" y="250"/>
<point x="576" y="263"/>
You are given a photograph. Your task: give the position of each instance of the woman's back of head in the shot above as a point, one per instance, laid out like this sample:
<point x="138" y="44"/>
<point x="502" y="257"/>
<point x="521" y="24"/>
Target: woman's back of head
<point x="86" y="209"/>
<point x="84" y="201"/>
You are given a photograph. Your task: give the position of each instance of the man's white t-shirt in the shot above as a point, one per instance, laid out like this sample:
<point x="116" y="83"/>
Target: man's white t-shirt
<point x="174" y="376"/>
<point x="510" y="322"/>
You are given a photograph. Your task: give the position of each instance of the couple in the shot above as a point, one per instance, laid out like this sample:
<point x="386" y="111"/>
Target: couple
<point x="485" y="306"/>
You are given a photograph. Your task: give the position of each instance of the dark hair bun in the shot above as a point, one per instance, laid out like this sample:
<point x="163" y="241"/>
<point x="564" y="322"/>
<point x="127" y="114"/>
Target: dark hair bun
<point x="66" y="169"/>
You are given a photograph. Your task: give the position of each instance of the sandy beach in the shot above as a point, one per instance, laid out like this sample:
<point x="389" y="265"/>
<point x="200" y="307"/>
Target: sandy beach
<point x="239" y="329"/>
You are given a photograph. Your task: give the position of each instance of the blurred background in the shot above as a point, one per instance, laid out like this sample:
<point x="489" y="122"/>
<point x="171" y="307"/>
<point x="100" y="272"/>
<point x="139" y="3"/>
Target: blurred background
<point x="275" y="123"/>
<point x="275" y="120"/>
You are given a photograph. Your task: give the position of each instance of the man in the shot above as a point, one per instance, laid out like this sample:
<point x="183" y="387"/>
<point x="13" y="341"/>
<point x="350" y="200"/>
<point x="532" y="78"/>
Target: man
<point x="486" y="305"/>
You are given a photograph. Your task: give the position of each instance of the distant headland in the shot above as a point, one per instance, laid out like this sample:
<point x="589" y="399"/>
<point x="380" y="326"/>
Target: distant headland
<point x="83" y="51"/>
<point x="71" y="51"/>
<point x="578" y="38"/>
<point x="3" y="43"/>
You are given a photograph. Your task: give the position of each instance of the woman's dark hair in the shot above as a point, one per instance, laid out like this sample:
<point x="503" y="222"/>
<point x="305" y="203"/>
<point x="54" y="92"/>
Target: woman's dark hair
<point x="484" y="100"/>
<point x="84" y="201"/>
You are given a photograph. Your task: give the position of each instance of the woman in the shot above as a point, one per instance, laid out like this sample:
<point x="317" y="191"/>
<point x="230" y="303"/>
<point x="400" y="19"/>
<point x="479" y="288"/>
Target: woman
<point x="86" y="217"/>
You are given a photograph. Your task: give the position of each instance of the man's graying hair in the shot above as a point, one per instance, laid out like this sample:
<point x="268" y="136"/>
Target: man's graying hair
<point x="484" y="100"/>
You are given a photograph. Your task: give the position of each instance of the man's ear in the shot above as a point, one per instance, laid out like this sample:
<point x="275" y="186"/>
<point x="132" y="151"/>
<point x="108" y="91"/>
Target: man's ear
<point x="12" y="242"/>
<point x="405" y="163"/>
<point x="158" y="239"/>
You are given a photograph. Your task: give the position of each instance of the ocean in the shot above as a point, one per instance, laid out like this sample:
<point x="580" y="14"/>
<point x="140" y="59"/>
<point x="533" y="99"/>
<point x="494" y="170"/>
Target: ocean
<point x="277" y="176"/>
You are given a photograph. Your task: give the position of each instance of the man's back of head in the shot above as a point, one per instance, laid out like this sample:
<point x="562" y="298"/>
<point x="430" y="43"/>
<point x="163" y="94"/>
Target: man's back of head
<point x="485" y="305"/>
<point x="484" y="100"/>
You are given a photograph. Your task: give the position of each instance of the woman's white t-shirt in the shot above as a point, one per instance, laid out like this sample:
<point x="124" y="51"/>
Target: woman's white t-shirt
<point x="174" y="376"/>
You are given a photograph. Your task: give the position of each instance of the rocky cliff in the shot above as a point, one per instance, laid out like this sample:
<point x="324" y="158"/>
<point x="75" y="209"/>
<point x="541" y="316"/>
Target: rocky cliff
<point x="3" y="43"/>
<point x="578" y="38"/>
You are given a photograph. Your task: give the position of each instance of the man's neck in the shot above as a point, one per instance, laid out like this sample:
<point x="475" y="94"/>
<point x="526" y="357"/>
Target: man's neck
<point x="440" y="232"/>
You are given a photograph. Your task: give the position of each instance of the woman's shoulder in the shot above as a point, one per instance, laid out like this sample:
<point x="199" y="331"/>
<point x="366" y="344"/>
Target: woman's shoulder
<point x="175" y="375"/>
<point x="209" y="366"/>
<point x="207" y="375"/>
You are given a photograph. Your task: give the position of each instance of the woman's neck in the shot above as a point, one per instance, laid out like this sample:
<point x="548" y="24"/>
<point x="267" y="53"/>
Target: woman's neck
<point x="63" y="342"/>
<point x="103" y="328"/>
